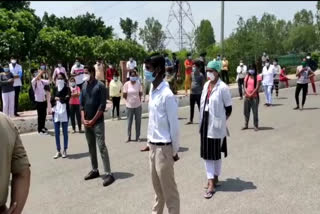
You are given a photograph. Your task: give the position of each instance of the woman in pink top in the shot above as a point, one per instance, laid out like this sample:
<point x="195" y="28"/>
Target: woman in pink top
<point x="251" y="86"/>
<point x="132" y="92"/>
<point x="75" y="105"/>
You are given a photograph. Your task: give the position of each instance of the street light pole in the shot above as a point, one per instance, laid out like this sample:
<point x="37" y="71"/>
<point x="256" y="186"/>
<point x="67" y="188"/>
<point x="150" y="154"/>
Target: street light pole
<point x="222" y="27"/>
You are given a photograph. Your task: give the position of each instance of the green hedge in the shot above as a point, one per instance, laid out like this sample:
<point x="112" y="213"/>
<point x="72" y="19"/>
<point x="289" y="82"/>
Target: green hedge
<point x="25" y="104"/>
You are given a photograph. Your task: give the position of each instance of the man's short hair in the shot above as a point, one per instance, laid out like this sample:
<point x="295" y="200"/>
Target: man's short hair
<point x="198" y="63"/>
<point x="158" y="61"/>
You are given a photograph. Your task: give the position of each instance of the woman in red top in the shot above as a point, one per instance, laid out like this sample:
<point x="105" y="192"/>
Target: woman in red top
<point x="251" y="86"/>
<point x="110" y="72"/>
<point x="75" y="105"/>
<point x="283" y="76"/>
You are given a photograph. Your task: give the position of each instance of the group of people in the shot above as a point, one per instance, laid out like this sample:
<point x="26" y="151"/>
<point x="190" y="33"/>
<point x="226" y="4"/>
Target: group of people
<point x="85" y="95"/>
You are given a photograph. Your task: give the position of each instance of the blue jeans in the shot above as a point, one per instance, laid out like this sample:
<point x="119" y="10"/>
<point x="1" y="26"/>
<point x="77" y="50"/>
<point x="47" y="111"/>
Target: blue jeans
<point x="65" y="134"/>
<point x="267" y="92"/>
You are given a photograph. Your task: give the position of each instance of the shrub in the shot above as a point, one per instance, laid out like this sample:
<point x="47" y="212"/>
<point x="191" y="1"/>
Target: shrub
<point x="25" y="104"/>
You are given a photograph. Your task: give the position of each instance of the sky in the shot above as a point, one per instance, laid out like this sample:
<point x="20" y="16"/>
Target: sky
<point x="112" y="11"/>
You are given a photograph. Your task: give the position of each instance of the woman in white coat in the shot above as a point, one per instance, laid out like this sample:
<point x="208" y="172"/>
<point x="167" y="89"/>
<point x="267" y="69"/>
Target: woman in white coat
<point x="215" y="109"/>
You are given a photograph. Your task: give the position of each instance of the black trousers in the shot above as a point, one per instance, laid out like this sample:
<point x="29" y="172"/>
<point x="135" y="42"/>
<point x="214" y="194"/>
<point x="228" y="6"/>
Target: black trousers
<point x="42" y="114"/>
<point x="304" y="88"/>
<point x="194" y="98"/>
<point x="225" y="76"/>
<point x="1" y="104"/>
<point x="75" y="113"/>
<point x="116" y="105"/>
<point x="276" y="87"/>
<point x="16" y="98"/>
<point x="240" y="86"/>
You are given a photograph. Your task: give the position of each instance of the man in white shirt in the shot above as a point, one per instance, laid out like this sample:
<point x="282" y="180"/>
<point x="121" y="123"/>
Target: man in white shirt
<point x="163" y="137"/>
<point x="242" y="72"/>
<point x="77" y="72"/>
<point x="131" y="64"/>
<point x="17" y="72"/>
<point x="276" y="79"/>
<point x="267" y="82"/>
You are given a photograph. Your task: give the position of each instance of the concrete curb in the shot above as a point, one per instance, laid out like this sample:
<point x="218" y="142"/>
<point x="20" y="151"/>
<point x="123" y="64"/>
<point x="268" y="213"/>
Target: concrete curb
<point x="30" y="124"/>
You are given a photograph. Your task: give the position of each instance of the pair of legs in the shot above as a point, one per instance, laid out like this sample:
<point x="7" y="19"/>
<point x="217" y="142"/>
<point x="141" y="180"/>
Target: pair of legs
<point x="241" y="87"/>
<point x="136" y="112"/>
<point x="163" y="181"/>
<point x="8" y="99"/>
<point x="225" y="76"/>
<point x="17" y="90"/>
<point x="213" y="169"/>
<point x="95" y="135"/>
<point x="251" y="104"/>
<point x="187" y="83"/>
<point x="304" y="88"/>
<point x="116" y="105"/>
<point x="276" y="87"/>
<point x="42" y="114"/>
<point x="194" y="99"/>
<point x="65" y="135"/>
<point x="312" y="80"/>
<point x="268" y="94"/>
<point x="75" y="113"/>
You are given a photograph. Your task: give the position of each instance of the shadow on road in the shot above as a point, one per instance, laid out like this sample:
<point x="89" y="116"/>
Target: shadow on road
<point x="265" y="128"/>
<point x="122" y="175"/>
<point x="235" y="185"/>
<point x="310" y="108"/>
<point x="144" y="117"/>
<point x="78" y="156"/>
<point x="278" y="104"/>
<point x="282" y="98"/>
<point x="183" y="149"/>
<point x="143" y="139"/>
<point x="182" y="118"/>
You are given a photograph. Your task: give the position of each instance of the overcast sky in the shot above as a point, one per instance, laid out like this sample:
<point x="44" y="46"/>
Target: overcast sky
<point x="111" y="11"/>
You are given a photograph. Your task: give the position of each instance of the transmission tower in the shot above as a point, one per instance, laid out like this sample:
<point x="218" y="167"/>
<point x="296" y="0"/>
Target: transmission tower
<point x="180" y="15"/>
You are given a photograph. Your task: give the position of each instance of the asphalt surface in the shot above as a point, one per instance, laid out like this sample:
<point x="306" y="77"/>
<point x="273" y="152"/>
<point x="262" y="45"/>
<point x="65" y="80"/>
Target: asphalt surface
<point x="275" y="170"/>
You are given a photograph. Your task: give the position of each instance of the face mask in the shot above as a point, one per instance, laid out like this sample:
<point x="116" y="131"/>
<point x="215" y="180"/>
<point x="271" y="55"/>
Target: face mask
<point x="241" y="64"/>
<point x="149" y="76"/>
<point x="218" y="58"/>
<point x="73" y="84"/>
<point x="35" y="74"/>
<point x="267" y="64"/>
<point x="110" y="66"/>
<point x="189" y="57"/>
<point x="131" y="60"/>
<point x="194" y="69"/>
<point x="211" y="76"/>
<point x="133" y="79"/>
<point x="274" y="63"/>
<point x="13" y="61"/>
<point x="59" y="65"/>
<point x="86" y="77"/>
<point x="78" y="64"/>
<point x="166" y="58"/>
<point x="304" y="64"/>
<point x="6" y="69"/>
<point x="251" y="72"/>
<point x="115" y="79"/>
<point x="308" y="57"/>
<point x="60" y="84"/>
<point x="43" y="67"/>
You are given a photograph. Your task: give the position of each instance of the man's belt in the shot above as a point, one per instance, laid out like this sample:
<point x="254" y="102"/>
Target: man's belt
<point x="160" y="144"/>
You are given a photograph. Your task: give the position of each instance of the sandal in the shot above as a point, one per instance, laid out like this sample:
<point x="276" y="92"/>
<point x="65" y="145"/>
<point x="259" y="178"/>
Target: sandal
<point x="209" y="194"/>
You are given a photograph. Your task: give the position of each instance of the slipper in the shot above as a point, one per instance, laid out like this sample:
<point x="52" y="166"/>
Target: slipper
<point x="209" y="194"/>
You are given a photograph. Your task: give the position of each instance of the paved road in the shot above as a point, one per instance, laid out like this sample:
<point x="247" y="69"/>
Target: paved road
<point x="275" y="170"/>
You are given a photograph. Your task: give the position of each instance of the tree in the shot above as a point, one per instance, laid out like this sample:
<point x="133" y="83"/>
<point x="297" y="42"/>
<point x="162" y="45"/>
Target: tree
<point x="15" y="5"/>
<point x="303" y="17"/>
<point x="82" y="25"/>
<point x="204" y="36"/>
<point x="152" y="35"/>
<point x="128" y="27"/>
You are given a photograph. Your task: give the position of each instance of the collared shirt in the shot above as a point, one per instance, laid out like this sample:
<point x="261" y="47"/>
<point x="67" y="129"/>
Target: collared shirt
<point x="57" y="71"/>
<point x="163" y="124"/>
<point x="16" y="70"/>
<point x="220" y="98"/>
<point x="100" y="71"/>
<point x="78" y="71"/>
<point x="38" y="89"/>
<point x="92" y="99"/>
<point x="267" y="75"/>
<point x="241" y="71"/>
<point x="13" y="157"/>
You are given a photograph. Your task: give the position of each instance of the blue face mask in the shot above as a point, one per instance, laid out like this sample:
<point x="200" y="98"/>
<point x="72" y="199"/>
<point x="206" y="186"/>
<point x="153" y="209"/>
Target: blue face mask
<point x="43" y="67"/>
<point x="6" y="69"/>
<point x="133" y="79"/>
<point x="251" y="72"/>
<point x="149" y="76"/>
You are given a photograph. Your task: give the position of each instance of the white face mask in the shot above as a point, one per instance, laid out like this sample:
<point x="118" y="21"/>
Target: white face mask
<point x="60" y="84"/>
<point x="59" y="65"/>
<point x="86" y="77"/>
<point x="267" y="64"/>
<point x="211" y="76"/>
<point x="13" y="61"/>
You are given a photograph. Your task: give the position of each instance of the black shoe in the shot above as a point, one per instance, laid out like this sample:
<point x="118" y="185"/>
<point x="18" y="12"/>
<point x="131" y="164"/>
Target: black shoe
<point x="109" y="179"/>
<point x="296" y="108"/>
<point x="189" y="123"/>
<point x="92" y="175"/>
<point x="17" y="115"/>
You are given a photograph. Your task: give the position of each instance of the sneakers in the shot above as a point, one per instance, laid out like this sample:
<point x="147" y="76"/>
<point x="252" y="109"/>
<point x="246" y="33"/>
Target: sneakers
<point x="244" y="128"/>
<point x="256" y="128"/>
<point x="296" y="108"/>
<point x="108" y="180"/>
<point x="74" y="131"/>
<point x="58" y="155"/>
<point x="43" y="133"/>
<point x="92" y="175"/>
<point x="64" y="154"/>
<point x="80" y="131"/>
<point x="189" y="123"/>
